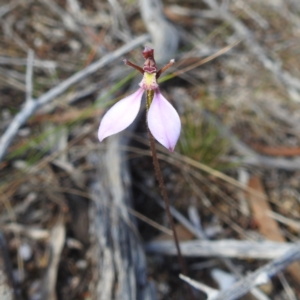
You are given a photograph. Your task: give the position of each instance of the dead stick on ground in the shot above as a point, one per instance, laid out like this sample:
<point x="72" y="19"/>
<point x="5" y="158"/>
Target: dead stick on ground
<point x="256" y="278"/>
<point x="30" y="107"/>
<point x="238" y="249"/>
<point x="261" y="275"/>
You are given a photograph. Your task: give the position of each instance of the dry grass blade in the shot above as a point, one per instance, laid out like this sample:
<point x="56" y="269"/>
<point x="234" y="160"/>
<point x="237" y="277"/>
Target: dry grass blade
<point x="150" y="222"/>
<point x="206" y="60"/>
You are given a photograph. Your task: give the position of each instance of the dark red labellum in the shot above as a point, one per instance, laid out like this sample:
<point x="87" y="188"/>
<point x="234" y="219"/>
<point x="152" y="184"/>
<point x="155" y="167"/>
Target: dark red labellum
<point x="150" y="64"/>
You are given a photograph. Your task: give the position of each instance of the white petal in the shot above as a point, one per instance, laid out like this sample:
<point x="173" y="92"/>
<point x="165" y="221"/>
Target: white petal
<point x="121" y="115"/>
<point x="163" y="121"/>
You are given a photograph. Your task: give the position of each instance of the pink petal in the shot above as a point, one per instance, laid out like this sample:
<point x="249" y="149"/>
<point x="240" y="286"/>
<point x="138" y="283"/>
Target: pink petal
<point x="121" y="115"/>
<point x="163" y="121"/>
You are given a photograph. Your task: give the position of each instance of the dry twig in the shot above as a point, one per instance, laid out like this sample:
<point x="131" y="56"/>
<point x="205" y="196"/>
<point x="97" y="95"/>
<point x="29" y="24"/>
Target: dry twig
<point x="30" y="107"/>
<point x="256" y="278"/>
<point x="118" y="255"/>
<point x="223" y="248"/>
<point x="261" y="275"/>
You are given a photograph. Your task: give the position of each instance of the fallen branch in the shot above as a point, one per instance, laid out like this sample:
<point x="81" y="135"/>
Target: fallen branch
<point x="30" y="107"/>
<point x="118" y="256"/>
<point x="223" y="248"/>
<point x="261" y="275"/>
<point x="256" y="278"/>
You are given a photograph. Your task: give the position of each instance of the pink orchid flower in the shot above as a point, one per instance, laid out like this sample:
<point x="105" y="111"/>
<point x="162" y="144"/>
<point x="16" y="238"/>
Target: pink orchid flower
<point x="163" y="120"/>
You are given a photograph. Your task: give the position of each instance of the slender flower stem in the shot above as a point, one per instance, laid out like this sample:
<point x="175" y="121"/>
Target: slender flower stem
<point x="149" y="97"/>
<point x="166" y="199"/>
<point x="167" y="206"/>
